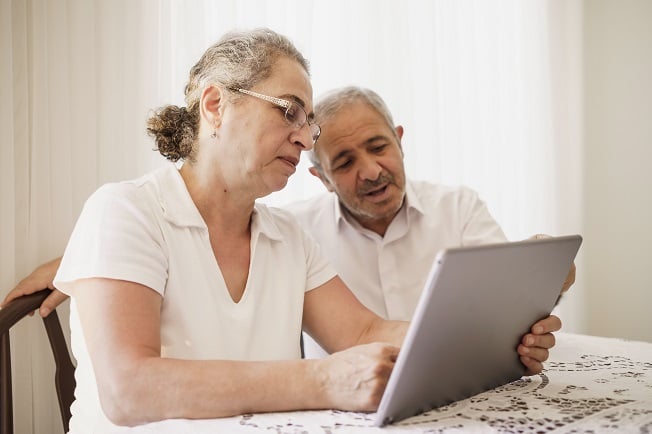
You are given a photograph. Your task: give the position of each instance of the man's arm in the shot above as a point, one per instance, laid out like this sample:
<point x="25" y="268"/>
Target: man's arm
<point x="534" y="349"/>
<point x="38" y="279"/>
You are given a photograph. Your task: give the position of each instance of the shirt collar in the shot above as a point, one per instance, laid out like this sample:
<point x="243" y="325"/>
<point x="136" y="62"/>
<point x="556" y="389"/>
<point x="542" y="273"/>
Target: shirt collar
<point x="179" y="209"/>
<point x="175" y="201"/>
<point x="412" y="199"/>
<point x="262" y="221"/>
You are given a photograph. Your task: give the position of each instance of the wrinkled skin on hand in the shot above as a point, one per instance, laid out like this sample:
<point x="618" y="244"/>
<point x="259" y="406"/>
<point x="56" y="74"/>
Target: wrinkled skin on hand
<point x="355" y="379"/>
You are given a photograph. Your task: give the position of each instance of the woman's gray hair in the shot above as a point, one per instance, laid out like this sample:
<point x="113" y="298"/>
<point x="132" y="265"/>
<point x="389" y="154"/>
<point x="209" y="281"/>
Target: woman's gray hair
<point x="240" y="59"/>
<point x="329" y="105"/>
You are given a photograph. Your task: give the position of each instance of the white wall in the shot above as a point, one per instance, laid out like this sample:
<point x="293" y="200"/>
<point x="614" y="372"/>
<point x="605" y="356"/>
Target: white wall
<point x="618" y="179"/>
<point x="613" y="294"/>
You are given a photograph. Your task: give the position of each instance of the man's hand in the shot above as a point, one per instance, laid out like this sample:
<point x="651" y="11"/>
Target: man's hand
<point x="534" y="346"/>
<point x="40" y="278"/>
<point x="570" y="278"/>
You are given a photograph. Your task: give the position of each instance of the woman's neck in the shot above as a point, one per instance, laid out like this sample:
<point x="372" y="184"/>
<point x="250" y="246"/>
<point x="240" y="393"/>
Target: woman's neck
<point x="222" y="207"/>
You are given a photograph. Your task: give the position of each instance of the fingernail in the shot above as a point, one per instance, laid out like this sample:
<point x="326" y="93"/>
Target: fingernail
<point x="529" y="340"/>
<point x="538" y="329"/>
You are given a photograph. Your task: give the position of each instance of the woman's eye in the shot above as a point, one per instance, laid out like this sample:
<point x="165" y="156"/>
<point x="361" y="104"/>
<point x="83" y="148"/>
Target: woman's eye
<point x="292" y="113"/>
<point x="284" y="112"/>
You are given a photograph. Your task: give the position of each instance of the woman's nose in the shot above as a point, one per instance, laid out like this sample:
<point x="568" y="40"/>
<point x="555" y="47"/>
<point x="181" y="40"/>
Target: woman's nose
<point x="303" y="137"/>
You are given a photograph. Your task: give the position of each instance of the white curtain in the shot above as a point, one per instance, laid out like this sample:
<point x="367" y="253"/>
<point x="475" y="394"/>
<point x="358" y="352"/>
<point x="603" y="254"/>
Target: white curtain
<point x="488" y="93"/>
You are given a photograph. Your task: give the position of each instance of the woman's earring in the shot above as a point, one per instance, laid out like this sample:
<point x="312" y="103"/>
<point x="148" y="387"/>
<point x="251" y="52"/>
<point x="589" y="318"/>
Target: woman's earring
<point x="214" y="135"/>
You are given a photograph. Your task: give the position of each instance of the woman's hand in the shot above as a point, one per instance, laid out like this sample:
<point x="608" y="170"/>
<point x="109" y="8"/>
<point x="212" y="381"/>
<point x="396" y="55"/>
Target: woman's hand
<point x="355" y="379"/>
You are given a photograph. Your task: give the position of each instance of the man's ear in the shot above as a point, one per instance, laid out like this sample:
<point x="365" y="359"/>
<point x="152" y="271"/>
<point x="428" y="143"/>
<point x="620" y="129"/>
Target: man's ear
<point x="211" y="105"/>
<point x="399" y="132"/>
<point x="315" y="172"/>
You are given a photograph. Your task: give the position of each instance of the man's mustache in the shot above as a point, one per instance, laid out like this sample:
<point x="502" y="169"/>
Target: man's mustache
<point x="369" y="186"/>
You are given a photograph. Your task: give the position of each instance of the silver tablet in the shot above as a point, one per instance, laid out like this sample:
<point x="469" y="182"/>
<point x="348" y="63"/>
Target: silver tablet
<point x="476" y="305"/>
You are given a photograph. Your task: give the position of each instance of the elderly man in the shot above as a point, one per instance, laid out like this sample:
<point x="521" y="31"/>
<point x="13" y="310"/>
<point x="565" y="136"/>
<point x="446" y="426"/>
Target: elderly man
<point x="380" y="230"/>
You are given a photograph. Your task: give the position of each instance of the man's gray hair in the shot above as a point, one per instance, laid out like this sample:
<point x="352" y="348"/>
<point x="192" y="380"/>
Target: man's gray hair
<point x="329" y="105"/>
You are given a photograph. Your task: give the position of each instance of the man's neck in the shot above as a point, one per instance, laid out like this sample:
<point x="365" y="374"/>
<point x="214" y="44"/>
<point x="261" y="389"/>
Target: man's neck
<point x="376" y="225"/>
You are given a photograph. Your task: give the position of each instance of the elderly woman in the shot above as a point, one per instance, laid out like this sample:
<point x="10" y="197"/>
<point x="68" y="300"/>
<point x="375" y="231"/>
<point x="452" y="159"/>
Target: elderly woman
<point x="188" y="297"/>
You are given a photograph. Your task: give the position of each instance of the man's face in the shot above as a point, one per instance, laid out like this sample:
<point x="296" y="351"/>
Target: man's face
<point x="362" y="162"/>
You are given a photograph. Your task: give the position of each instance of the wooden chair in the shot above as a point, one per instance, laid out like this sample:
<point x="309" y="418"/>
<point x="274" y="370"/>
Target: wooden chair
<point x="64" y="377"/>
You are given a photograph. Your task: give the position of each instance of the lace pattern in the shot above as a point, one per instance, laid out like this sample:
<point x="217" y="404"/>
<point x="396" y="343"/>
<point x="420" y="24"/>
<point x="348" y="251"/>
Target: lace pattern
<point x="590" y="385"/>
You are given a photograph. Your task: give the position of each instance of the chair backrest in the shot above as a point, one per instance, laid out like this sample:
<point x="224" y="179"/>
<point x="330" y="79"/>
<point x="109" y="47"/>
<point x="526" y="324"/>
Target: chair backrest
<point x="64" y="377"/>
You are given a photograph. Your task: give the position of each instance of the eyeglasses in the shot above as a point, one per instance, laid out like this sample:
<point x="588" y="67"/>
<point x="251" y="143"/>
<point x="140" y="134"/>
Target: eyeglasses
<point x="295" y="115"/>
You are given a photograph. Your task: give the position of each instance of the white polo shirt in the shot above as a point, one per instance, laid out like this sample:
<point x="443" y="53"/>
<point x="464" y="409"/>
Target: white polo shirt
<point x="150" y="232"/>
<point x="388" y="273"/>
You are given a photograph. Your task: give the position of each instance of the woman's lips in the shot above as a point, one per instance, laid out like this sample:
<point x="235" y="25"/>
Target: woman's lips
<point x="290" y="161"/>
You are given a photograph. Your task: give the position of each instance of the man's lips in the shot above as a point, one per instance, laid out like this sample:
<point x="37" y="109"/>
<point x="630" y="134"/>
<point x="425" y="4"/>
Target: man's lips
<point x="375" y="191"/>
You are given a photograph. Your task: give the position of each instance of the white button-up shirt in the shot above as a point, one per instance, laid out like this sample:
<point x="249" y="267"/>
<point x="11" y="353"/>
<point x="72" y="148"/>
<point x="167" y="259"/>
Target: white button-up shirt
<point x="388" y="273"/>
<point x="149" y="231"/>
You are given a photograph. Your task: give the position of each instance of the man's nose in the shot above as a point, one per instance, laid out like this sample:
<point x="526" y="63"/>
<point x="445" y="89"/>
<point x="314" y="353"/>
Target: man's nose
<point x="369" y="169"/>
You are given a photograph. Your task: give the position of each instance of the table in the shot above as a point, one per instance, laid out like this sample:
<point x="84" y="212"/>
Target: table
<point x="589" y="385"/>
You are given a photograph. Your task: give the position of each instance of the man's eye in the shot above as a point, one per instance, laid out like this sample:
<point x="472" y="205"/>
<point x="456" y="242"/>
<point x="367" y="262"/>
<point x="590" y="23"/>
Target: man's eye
<point x="379" y="148"/>
<point x="343" y="165"/>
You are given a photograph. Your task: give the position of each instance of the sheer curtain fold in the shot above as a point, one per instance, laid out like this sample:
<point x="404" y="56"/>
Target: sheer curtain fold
<point x="486" y="91"/>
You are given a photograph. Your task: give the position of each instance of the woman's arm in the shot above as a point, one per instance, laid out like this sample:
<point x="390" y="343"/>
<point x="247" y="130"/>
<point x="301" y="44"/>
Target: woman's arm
<point x="121" y="326"/>
<point x="364" y="346"/>
<point x="348" y="322"/>
<point x="335" y="318"/>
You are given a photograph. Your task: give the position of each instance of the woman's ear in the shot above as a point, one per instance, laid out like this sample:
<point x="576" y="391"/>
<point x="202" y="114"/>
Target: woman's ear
<point x="211" y="105"/>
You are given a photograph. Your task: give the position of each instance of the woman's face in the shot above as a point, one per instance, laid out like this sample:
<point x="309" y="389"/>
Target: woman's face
<point x="259" y="146"/>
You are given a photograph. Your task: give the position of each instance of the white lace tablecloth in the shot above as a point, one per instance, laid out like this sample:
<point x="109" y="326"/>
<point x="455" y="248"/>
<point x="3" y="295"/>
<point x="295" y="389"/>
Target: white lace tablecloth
<point x="589" y="385"/>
